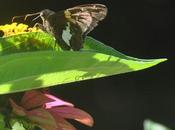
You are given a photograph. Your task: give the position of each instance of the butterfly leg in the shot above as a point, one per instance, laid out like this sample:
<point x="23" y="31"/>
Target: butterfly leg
<point x="40" y="26"/>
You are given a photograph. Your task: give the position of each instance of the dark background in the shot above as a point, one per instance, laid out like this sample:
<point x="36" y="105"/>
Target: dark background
<point x="143" y="29"/>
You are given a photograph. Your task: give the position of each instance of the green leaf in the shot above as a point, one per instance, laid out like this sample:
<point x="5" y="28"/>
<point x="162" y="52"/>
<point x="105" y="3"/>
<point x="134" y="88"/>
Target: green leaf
<point x="43" y="68"/>
<point x="18" y="126"/>
<point x="2" y="123"/>
<point x="150" y="125"/>
<point x="25" y="42"/>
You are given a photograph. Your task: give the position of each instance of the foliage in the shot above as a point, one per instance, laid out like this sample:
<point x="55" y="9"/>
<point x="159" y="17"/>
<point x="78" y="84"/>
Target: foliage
<point x="33" y="60"/>
<point x="151" y="125"/>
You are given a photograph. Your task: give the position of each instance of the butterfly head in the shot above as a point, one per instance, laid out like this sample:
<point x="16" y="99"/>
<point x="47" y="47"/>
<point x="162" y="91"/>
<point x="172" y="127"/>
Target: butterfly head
<point x="44" y="14"/>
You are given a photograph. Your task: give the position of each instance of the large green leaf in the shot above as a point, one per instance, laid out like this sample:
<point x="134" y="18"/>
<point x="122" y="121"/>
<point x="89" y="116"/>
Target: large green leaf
<point x="38" y="68"/>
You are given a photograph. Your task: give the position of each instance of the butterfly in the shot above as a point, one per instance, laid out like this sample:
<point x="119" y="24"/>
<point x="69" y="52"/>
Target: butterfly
<point x="71" y="26"/>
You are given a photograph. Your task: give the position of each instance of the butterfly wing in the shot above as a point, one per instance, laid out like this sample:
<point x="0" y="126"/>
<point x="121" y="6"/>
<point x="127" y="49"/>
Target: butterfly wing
<point x="71" y="26"/>
<point x="87" y="16"/>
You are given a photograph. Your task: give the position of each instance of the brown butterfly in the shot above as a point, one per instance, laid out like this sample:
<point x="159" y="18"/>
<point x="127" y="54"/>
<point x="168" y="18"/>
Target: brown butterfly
<point x="71" y="26"/>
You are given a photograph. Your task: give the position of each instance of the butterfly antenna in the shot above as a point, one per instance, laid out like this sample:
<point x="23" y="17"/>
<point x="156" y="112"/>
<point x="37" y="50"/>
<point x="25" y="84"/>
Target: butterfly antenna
<point x="25" y="16"/>
<point x="38" y="13"/>
<point x="36" y="18"/>
<point x="17" y="17"/>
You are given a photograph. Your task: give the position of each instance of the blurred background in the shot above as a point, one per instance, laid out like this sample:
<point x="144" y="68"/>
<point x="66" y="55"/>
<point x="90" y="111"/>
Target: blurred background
<point x="143" y="29"/>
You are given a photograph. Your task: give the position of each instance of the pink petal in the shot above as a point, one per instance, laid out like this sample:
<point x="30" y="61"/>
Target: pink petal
<point x="72" y="113"/>
<point x="33" y="99"/>
<point x="17" y="109"/>
<point x="63" y="123"/>
<point x="42" y="117"/>
<point x="56" y="102"/>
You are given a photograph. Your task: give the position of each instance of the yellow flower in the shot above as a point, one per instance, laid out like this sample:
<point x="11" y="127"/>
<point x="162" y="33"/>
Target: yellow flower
<point x="15" y="28"/>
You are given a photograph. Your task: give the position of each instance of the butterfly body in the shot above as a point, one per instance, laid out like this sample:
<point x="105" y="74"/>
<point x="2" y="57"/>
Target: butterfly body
<point x="56" y="25"/>
<point x="70" y="26"/>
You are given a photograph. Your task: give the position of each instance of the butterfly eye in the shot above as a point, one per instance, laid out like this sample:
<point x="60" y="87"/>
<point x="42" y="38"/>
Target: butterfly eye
<point x="42" y="14"/>
<point x="46" y="13"/>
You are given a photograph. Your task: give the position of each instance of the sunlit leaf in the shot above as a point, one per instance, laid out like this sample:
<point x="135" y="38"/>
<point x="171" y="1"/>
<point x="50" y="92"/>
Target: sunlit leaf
<point x="43" y="66"/>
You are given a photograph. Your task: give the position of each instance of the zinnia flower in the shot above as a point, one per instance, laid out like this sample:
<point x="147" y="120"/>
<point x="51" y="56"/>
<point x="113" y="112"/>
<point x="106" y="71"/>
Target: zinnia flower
<point x="49" y="112"/>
